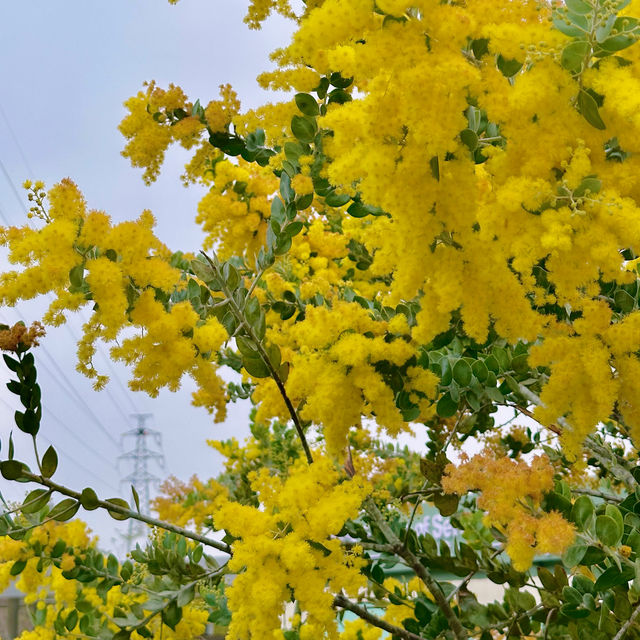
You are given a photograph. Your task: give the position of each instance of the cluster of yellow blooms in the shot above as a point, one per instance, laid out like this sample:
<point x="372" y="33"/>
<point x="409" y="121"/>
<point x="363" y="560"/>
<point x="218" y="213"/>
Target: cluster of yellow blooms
<point x="126" y="266"/>
<point x="510" y="493"/>
<point x="497" y="204"/>
<point x="516" y="203"/>
<point x="286" y="548"/>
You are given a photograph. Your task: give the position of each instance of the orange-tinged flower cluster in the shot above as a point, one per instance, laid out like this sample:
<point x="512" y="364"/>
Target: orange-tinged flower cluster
<point x="21" y="335"/>
<point x="511" y="492"/>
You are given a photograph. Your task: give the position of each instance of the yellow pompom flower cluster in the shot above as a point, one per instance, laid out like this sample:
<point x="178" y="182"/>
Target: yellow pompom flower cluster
<point x="506" y="487"/>
<point x="286" y="547"/>
<point x="81" y="256"/>
<point x="148" y="127"/>
<point x="235" y="212"/>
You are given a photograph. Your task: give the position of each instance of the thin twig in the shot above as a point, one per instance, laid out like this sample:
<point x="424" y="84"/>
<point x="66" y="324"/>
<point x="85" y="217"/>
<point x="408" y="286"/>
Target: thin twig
<point x="609" y="497"/>
<point x="237" y="312"/>
<point x="116" y="508"/>
<point x="361" y="612"/>
<point x="420" y="570"/>
<point x="605" y="457"/>
<point x="413" y="514"/>
<point x="627" y="625"/>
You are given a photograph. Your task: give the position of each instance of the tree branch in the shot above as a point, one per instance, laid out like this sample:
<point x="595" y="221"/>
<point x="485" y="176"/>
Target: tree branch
<point x="109" y="506"/>
<point x="605" y="457"/>
<point x="627" y="625"/>
<point x="361" y="612"/>
<point x="237" y="312"/>
<point x="420" y="570"/>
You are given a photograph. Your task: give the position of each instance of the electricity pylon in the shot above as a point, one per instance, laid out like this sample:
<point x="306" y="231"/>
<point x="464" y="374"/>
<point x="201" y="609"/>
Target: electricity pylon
<point x="141" y="478"/>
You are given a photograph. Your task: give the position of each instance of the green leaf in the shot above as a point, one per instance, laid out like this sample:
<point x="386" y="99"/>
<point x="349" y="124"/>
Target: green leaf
<point x="64" y="510"/>
<point x="339" y="96"/>
<point x="462" y="372"/>
<point x="71" y="620"/>
<point x="613" y="512"/>
<point x="307" y="104"/>
<point x="17" y="567"/>
<point x="12" y="363"/>
<point x="434" y="165"/>
<point x="186" y="595"/>
<point x="574" y="54"/>
<point x="35" y="500"/>
<point x="617" y="42"/>
<point x="603" y="30"/>
<point x="612" y="577"/>
<point x="286" y="191"/>
<point x="293" y="229"/>
<point x="136" y="498"/>
<point x="446" y="503"/>
<point x="112" y="565"/>
<point x="304" y="201"/>
<point x="574" y="554"/>
<point x="89" y="499"/>
<point x="578" y="6"/>
<point x="256" y="367"/>
<point x="76" y="276"/>
<point x="607" y="530"/>
<point x="589" y="184"/>
<point x="359" y="209"/>
<point x="377" y="574"/>
<point x="27" y="422"/>
<point x="172" y="614"/>
<point x="508" y="68"/>
<point x="304" y="128"/>
<point x="11" y="469"/>
<point x="247" y="347"/>
<point x="624" y="301"/>
<point x="193" y="289"/>
<point x="230" y="275"/>
<point x="120" y="503"/>
<point x="49" y="462"/>
<point x="594" y="555"/>
<point x="446" y="407"/>
<point x="278" y="211"/>
<point x="469" y="138"/>
<point x="568" y="28"/>
<point x="334" y="199"/>
<point x="547" y="579"/>
<point x="588" y="107"/>
<point x="582" y="511"/>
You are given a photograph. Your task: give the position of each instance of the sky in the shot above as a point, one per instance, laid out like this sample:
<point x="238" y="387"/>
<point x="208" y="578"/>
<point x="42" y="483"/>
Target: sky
<point x="69" y="65"/>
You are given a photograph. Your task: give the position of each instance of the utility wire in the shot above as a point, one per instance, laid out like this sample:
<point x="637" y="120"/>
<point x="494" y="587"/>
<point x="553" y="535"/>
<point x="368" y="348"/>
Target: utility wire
<point x="13" y="187"/>
<point x="61" y="375"/>
<point x="23" y="156"/>
<point x="72" y="458"/>
<point x="14" y="137"/>
<point x="100" y="455"/>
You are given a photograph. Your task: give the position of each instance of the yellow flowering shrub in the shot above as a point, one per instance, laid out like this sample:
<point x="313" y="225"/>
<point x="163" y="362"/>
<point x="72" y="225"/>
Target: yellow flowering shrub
<point x="437" y="222"/>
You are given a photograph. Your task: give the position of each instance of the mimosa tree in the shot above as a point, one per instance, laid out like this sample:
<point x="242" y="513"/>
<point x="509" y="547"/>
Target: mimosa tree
<point x="438" y="227"/>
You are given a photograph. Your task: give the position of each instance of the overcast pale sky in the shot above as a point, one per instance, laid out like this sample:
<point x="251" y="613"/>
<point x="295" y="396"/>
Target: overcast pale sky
<point x="69" y="65"/>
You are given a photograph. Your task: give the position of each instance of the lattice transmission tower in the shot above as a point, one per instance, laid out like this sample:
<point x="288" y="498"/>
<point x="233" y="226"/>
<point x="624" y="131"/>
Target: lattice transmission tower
<point x="141" y="478"/>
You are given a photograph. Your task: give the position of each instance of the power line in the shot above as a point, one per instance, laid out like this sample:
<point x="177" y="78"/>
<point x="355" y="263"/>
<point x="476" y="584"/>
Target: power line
<point x="61" y="450"/>
<point x="98" y="454"/>
<point x="78" y="398"/>
<point x="75" y="338"/>
<point x="16" y="142"/>
<point x="13" y="187"/>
